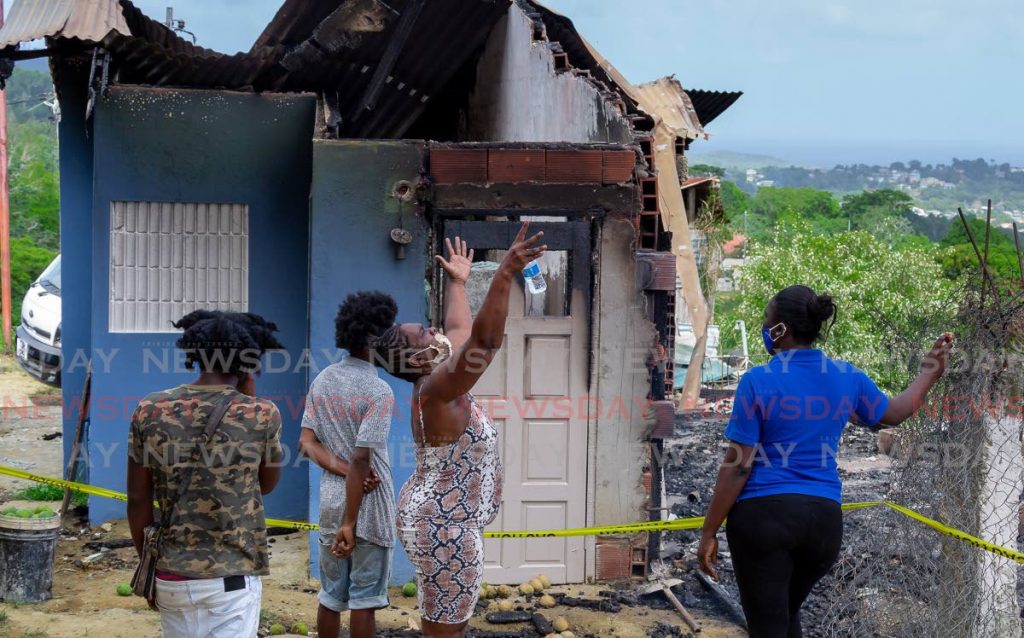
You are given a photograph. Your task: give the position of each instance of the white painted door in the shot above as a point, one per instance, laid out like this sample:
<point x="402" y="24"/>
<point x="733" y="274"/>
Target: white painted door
<point x="536" y="392"/>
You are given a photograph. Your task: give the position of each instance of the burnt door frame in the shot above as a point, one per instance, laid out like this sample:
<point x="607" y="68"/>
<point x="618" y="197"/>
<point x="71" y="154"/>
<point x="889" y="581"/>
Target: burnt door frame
<point x="572" y="233"/>
<point x="572" y="236"/>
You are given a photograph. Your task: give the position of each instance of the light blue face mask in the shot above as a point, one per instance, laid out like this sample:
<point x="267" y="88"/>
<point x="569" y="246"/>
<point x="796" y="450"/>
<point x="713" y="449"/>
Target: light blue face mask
<point x="766" y="336"/>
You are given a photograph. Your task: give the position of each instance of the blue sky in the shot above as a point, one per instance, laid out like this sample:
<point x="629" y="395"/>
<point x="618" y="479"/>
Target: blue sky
<point x="825" y="81"/>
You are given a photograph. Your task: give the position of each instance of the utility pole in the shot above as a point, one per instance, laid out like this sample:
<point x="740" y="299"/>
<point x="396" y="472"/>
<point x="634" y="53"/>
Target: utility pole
<point x="5" y="221"/>
<point x="177" y="26"/>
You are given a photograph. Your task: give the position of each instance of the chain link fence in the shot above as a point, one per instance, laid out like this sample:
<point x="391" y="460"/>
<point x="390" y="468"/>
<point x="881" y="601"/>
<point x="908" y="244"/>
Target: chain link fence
<point x="958" y="462"/>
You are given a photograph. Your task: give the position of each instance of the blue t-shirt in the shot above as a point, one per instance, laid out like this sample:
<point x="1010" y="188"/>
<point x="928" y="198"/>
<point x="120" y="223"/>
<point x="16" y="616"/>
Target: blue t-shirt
<point x="793" y="411"/>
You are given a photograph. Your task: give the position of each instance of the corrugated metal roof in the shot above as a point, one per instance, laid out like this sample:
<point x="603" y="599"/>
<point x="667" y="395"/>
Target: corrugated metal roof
<point x="670" y="102"/>
<point x="326" y="45"/>
<point x="445" y="34"/>
<point x="711" y="104"/>
<point x="86" y="20"/>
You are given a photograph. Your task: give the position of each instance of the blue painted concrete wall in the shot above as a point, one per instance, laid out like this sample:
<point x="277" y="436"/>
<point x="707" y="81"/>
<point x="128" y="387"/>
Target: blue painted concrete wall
<point x="201" y="146"/>
<point x="353" y="213"/>
<point x="76" y="250"/>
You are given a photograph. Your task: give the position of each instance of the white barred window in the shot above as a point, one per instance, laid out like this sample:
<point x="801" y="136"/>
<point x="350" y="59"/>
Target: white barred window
<point x="168" y="259"/>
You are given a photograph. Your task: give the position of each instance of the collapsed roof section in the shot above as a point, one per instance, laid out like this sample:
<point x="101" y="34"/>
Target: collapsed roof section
<point x="667" y="99"/>
<point x="385" y="61"/>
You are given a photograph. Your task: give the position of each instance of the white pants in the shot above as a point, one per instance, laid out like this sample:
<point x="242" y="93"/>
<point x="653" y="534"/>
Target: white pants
<point x="202" y="609"/>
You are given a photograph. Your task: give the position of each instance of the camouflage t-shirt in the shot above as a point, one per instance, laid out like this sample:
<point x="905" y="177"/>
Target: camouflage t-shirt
<point x="219" y="528"/>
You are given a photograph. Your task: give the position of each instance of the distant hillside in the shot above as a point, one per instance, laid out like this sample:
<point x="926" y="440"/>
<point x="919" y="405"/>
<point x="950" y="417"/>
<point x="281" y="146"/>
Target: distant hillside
<point x="734" y="161"/>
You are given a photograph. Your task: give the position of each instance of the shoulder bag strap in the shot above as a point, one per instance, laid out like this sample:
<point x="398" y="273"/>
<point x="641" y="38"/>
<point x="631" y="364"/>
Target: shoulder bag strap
<point x="212" y="423"/>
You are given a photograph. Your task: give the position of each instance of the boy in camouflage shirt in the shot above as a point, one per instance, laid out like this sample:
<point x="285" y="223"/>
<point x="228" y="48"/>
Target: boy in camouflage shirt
<point x="214" y="549"/>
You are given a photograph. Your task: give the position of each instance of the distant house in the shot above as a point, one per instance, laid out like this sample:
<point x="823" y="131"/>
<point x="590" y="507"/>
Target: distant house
<point x="734" y="245"/>
<point x="728" y="275"/>
<point x="336" y="155"/>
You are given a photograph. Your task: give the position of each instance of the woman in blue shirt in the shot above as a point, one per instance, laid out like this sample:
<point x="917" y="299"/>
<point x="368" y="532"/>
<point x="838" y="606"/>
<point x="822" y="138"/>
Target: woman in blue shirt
<point x="779" y="484"/>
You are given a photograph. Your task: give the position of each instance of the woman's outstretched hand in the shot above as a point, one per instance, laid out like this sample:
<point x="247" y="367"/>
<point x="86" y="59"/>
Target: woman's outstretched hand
<point x="523" y="251"/>
<point x="459" y="262"/>
<point x="934" y="363"/>
<point x="707" y="554"/>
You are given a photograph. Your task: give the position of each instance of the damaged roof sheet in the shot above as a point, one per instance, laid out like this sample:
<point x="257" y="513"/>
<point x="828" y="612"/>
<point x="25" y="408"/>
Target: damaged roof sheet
<point x="694" y="182"/>
<point x="326" y="45"/>
<point x="85" y="20"/>
<point x="711" y="104"/>
<point x="696" y="108"/>
<point x="669" y="101"/>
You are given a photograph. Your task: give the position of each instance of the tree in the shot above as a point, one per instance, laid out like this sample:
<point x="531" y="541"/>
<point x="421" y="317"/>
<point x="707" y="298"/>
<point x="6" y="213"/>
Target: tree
<point x="890" y="301"/>
<point x="27" y="262"/>
<point x="734" y="201"/>
<point x="706" y="170"/>
<point x="933" y="227"/>
<point x="885" y="201"/>
<point x="818" y="208"/>
<point x="884" y="213"/>
<point x="32" y="163"/>
<point x="958" y="257"/>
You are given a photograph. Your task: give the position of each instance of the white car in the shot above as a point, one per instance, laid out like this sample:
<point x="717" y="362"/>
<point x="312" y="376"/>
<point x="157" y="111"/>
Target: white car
<point x="38" y="343"/>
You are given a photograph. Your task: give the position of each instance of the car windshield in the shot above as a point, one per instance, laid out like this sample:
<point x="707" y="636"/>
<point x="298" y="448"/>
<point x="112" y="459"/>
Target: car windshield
<point x="51" y="276"/>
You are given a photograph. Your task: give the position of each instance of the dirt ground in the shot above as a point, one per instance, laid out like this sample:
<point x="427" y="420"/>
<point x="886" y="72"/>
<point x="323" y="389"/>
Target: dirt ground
<point x="85" y="602"/>
<point x="28" y="410"/>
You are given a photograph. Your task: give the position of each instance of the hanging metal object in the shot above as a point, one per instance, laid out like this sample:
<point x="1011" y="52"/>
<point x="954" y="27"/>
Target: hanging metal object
<point x="403" y="192"/>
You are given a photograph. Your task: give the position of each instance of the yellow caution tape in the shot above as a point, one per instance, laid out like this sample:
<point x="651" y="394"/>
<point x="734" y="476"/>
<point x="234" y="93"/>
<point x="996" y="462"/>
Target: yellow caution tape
<point x="694" y="522"/>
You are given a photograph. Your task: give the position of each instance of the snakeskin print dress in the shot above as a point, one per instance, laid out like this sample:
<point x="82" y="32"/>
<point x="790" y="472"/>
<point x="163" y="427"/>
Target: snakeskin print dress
<point x="442" y="510"/>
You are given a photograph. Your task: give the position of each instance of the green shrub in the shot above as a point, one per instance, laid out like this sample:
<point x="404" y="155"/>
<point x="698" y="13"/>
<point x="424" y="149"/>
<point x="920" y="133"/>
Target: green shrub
<point x="892" y="303"/>
<point x="46" y="492"/>
<point x="27" y="262"/>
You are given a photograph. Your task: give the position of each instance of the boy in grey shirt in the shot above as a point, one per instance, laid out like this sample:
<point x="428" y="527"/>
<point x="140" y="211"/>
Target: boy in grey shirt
<point x="348" y="416"/>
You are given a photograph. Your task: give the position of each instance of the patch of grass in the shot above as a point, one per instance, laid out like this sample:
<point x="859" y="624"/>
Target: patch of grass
<point x="8" y="364"/>
<point x="49" y="397"/>
<point x="3" y="618"/>
<point x="44" y="492"/>
<point x="34" y="633"/>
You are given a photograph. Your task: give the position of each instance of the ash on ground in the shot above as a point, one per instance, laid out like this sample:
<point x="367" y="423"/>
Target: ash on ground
<point x="691" y="460"/>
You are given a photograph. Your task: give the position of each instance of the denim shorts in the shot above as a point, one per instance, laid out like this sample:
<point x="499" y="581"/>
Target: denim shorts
<point x="357" y="582"/>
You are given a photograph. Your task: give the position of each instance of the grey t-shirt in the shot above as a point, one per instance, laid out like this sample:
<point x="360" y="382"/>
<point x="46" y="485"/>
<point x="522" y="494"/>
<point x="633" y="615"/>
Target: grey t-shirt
<point x="349" y="406"/>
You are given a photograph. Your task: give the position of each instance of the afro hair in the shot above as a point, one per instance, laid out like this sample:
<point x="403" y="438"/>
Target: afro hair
<point x="362" y="317"/>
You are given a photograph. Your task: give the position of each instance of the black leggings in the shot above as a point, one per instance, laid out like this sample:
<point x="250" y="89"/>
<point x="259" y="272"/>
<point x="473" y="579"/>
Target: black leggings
<point x="781" y="546"/>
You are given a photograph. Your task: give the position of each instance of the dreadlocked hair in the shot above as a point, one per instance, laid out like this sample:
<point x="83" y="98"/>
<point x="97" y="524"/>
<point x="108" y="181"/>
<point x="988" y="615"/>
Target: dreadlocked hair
<point x="225" y="342"/>
<point x="363" y="316"/>
<point x="387" y="349"/>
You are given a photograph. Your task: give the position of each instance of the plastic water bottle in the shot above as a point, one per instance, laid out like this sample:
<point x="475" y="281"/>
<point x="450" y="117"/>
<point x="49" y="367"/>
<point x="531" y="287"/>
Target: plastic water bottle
<point x="534" y="280"/>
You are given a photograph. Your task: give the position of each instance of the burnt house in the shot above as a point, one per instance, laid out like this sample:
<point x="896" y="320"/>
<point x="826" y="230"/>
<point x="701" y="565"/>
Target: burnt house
<point x="336" y="155"/>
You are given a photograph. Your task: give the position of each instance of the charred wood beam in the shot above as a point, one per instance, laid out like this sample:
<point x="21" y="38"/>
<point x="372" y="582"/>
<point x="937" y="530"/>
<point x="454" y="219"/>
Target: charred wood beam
<point x="615" y="199"/>
<point x="345" y="28"/>
<point x="28" y="54"/>
<point x="571" y="213"/>
<point x="573" y="237"/>
<point x="390" y="58"/>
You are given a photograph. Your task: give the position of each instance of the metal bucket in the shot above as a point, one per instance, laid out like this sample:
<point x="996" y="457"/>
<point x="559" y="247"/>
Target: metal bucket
<point x="27" y="551"/>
